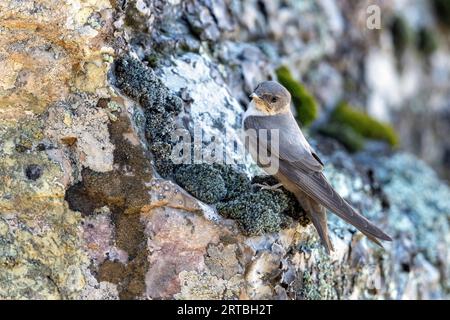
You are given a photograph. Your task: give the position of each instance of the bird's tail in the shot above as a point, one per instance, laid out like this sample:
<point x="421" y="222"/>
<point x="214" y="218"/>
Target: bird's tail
<point x="318" y="216"/>
<point x="317" y="188"/>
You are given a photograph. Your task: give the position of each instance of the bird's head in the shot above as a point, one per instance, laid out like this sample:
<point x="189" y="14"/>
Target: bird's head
<point x="271" y="98"/>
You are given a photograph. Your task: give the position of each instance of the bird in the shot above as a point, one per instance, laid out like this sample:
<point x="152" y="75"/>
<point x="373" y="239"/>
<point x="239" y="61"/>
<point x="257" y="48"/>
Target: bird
<point x="299" y="168"/>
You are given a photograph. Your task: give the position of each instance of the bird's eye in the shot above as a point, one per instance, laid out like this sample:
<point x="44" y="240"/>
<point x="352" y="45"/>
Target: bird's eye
<point x="274" y="99"/>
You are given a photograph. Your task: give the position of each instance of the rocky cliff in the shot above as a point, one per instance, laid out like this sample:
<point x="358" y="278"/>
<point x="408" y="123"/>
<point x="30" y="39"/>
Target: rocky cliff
<point x="93" y="207"/>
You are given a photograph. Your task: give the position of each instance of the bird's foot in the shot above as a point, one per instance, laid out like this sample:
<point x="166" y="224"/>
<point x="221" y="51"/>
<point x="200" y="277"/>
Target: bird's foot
<point x="267" y="187"/>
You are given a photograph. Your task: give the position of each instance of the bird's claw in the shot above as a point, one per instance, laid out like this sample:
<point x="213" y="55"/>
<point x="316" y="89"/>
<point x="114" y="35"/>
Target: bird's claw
<point x="267" y="187"/>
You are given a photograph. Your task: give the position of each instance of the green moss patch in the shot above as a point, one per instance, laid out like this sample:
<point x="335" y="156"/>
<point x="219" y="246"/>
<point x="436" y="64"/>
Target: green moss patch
<point x="212" y="183"/>
<point x="236" y="181"/>
<point x="402" y="35"/>
<point x="442" y="9"/>
<point x="203" y="181"/>
<point x="352" y="127"/>
<point x="363" y="124"/>
<point x="293" y="208"/>
<point x="427" y="41"/>
<point x="348" y="137"/>
<point x="256" y="211"/>
<point x="304" y="102"/>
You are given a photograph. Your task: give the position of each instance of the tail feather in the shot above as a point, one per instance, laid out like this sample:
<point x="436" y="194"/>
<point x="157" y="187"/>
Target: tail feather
<point x="374" y="240"/>
<point x="318" y="216"/>
<point x="319" y="220"/>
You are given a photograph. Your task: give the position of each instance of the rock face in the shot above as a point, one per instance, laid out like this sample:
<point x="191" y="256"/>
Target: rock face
<point x="92" y="207"/>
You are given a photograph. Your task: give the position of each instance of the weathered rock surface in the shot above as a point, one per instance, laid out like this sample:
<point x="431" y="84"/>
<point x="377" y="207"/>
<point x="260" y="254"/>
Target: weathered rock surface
<point x="84" y="214"/>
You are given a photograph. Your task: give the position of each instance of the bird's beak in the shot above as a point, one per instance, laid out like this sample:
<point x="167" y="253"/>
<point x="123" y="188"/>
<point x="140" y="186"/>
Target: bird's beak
<point x="253" y="96"/>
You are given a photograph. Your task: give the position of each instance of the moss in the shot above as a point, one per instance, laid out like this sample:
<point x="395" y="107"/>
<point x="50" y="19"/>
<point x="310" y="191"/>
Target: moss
<point x="442" y="9"/>
<point x="140" y="83"/>
<point x="162" y="160"/>
<point x="263" y="211"/>
<point x="348" y="137"/>
<point x="363" y="124"/>
<point x="427" y="41"/>
<point x="256" y="211"/>
<point x="401" y="35"/>
<point x="132" y="77"/>
<point x="304" y="101"/>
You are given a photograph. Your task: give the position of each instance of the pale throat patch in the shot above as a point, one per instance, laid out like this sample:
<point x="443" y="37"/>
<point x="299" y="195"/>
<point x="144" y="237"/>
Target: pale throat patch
<point x="252" y="110"/>
<point x="262" y="107"/>
<point x="258" y="108"/>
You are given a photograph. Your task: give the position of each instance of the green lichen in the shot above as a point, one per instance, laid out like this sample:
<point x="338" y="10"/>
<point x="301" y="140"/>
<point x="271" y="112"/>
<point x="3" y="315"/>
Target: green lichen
<point x="317" y="288"/>
<point x="222" y="261"/>
<point x="212" y="183"/>
<point x="205" y="286"/>
<point x="293" y="209"/>
<point x="348" y="137"/>
<point x="236" y="181"/>
<point x="320" y="283"/>
<point x="427" y="41"/>
<point x="152" y="60"/>
<point x="401" y="35"/>
<point x="28" y="137"/>
<point x="413" y="187"/>
<point x="160" y="106"/>
<point x="257" y="212"/>
<point x="203" y="181"/>
<point x="304" y="101"/>
<point x="363" y="124"/>
<point x="442" y="9"/>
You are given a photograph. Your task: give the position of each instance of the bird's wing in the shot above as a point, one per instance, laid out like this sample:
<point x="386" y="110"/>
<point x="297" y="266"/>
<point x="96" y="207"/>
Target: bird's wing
<point x="292" y="145"/>
<point x="315" y="185"/>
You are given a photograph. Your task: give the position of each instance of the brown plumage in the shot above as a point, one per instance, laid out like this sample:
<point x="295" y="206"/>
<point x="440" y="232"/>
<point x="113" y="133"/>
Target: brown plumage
<point x="300" y="169"/>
